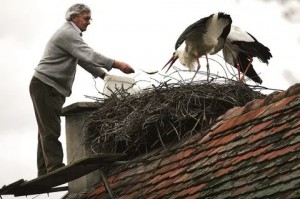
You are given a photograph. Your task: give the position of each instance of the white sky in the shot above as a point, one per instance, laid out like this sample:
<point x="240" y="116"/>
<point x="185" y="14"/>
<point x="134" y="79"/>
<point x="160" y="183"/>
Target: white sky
<point x="141" y="33"/>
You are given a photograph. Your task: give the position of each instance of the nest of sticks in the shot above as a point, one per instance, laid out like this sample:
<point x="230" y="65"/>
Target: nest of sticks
<point x="136" y="124"/>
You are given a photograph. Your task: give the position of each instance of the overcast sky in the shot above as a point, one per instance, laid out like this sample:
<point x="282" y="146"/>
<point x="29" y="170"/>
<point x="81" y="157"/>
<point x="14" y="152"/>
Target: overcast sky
<point x="141" y="33"/>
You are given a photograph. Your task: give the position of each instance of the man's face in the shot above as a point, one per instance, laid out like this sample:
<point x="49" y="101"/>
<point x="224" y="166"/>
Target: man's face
<point x="82" y="20"/>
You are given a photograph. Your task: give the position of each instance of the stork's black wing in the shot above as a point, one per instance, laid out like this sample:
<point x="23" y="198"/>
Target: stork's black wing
<point x="198" y="26"/>
<point x="263" y="52"/>
<point x="255" y="49"/>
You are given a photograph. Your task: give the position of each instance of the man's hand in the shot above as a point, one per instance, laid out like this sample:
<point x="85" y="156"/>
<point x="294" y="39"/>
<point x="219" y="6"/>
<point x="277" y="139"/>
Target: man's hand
<point x="125" y="68"/>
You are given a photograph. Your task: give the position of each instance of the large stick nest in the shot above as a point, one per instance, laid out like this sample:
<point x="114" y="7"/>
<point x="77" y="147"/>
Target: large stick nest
<point x="135" y="124"/>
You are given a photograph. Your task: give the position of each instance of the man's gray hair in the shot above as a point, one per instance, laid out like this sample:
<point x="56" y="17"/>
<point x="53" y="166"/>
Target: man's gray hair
<point x="76" y="9"/>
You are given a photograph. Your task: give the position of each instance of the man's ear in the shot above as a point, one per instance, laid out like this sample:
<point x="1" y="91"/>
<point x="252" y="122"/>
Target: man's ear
<point x="73" y="18"/>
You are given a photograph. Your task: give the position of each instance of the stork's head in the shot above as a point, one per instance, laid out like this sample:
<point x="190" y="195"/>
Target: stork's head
<point x="171" y="61"/>
<point x="186" y="59"/>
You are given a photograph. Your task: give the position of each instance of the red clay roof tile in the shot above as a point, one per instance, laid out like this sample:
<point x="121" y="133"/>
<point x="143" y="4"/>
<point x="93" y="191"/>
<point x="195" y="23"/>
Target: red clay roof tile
<point x="251" y="152"/>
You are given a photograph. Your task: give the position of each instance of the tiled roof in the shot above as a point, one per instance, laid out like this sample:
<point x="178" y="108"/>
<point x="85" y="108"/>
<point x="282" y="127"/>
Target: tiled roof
<point x="251" y="152"/>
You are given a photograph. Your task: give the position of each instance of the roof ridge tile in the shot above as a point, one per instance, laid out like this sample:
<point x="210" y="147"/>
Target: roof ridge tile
<point x="258" y="103"/>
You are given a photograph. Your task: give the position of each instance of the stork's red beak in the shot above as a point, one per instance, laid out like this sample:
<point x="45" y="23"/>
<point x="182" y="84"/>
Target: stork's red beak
<point x="171" y="62"/>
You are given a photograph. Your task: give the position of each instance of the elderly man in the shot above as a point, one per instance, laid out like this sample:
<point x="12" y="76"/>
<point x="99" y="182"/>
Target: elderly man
<point x="53" y="79"/>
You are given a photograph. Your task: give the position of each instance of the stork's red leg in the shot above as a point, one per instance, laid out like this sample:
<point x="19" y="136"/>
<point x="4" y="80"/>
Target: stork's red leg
<point x="248" y="66"/>
<point x="198" y="68"/>
<point x="238" y="66"/>
<point x="207" y="67"/>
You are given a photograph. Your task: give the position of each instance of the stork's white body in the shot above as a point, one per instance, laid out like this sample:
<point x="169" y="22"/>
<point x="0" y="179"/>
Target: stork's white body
<point x="237" y="34"/>
<point x="231" y="50"/>
<point x="199" y="43"/>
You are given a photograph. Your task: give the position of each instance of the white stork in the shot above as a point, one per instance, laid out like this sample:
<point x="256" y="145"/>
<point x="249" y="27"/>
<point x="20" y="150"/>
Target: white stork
<point x="205" y="36"/>
<point x="239" y="50"/>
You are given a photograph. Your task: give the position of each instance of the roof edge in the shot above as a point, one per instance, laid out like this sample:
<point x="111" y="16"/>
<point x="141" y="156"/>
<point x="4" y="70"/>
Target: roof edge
<point x="258" y="103"/>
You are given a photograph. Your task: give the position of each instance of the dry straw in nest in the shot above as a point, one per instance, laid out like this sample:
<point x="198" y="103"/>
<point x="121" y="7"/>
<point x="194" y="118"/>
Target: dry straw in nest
<point x="135" y="124"/>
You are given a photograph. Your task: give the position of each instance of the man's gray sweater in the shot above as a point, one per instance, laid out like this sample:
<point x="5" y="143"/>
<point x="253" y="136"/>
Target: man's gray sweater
<point x="63" y="52"/>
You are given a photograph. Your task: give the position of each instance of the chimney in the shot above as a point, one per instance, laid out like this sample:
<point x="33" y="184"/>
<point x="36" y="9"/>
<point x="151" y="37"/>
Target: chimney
<point x="75" y="116"/>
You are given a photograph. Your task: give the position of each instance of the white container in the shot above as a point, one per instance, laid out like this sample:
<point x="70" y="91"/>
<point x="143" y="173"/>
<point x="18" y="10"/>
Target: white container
<point x="113" y="83"/>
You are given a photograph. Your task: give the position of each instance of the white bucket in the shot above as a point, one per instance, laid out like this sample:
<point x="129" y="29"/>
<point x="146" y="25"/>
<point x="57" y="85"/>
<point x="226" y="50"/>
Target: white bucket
<point x="113" y="83"/>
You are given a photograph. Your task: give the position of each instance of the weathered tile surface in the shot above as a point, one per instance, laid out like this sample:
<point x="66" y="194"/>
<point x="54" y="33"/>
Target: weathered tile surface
<point x="252" y="152"/>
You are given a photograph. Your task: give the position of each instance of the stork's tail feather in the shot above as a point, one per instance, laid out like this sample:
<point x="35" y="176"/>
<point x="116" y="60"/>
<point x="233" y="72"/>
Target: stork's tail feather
<point x="251" y="73"/>
<point x="263" y="52"/>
